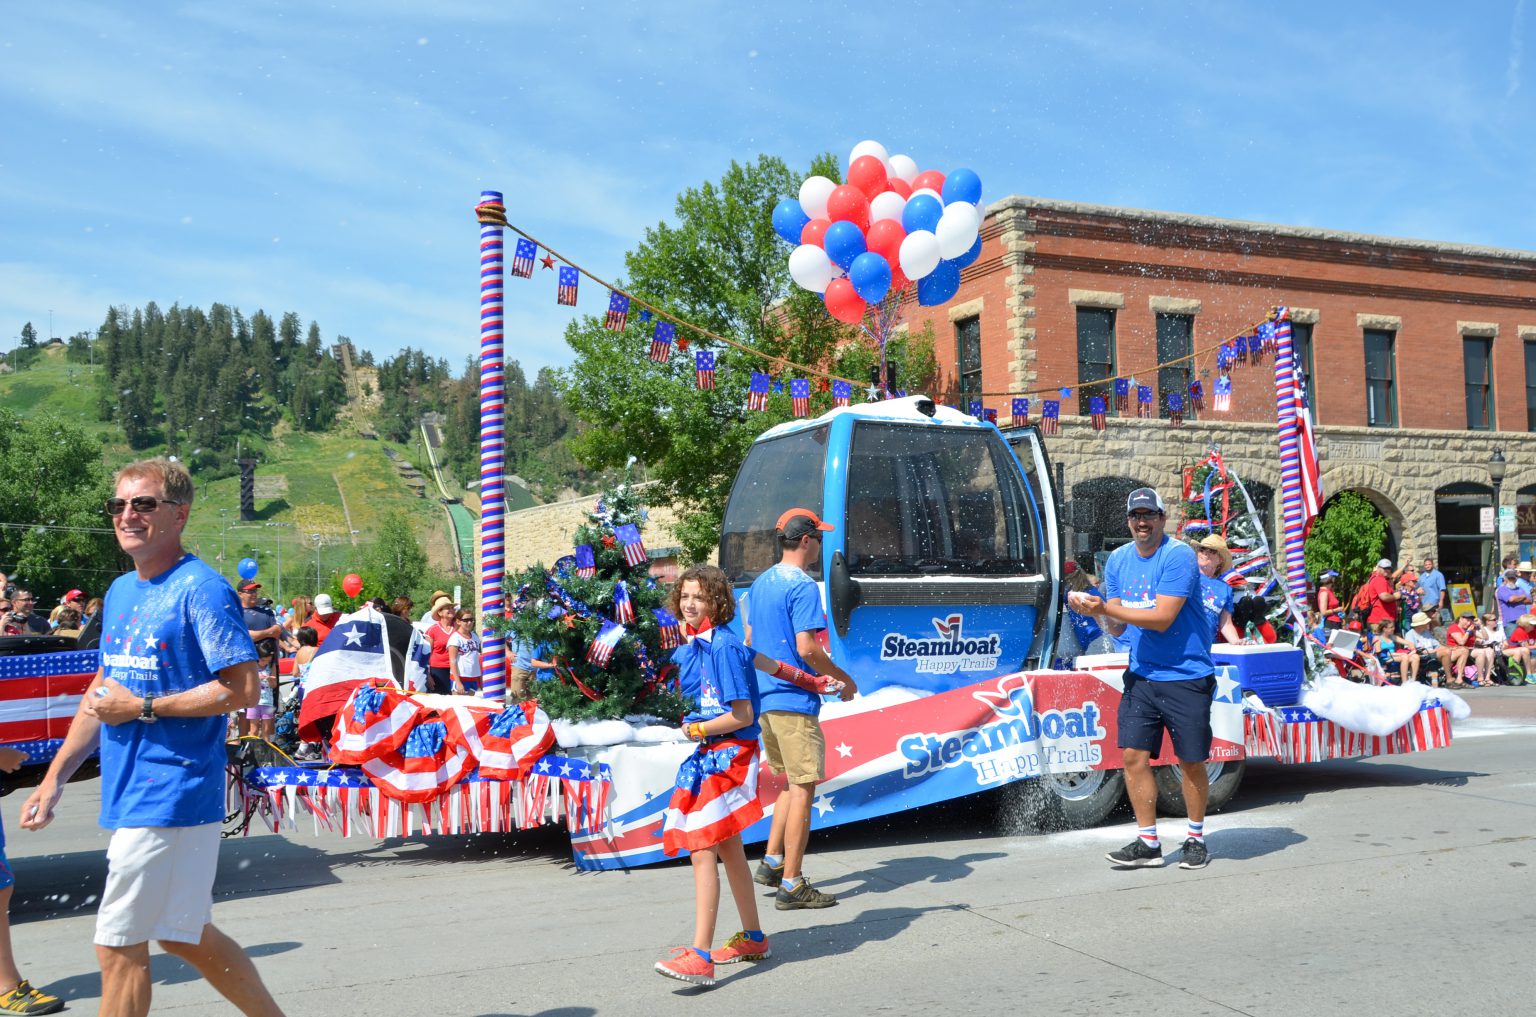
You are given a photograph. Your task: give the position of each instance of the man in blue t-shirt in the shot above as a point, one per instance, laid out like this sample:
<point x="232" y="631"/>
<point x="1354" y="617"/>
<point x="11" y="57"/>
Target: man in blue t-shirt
<point x="784" y="614"/>
<point x="1152" y="592"/>
<point x="176" y="657"/>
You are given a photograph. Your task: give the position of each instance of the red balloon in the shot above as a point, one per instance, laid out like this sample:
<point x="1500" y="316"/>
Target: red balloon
<point x="815" y="231"/>
<point x="899" y="280"/>
<point x="843" y="303"/>
<point x="848" y="204"/>
<point x="867" y="174"/>
<point x="351" y="584"/>
<point x="929" y="178"/>
<point x="884" y="238"/>
<point x="900" y="186"/>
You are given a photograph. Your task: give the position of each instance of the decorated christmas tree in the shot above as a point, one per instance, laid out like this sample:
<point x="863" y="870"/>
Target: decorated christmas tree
<point x="601" y="616"/>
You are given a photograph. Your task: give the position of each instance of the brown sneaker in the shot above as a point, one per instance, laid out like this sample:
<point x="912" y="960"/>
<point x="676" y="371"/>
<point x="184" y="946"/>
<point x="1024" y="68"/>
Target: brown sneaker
<point x="804" y="895"/>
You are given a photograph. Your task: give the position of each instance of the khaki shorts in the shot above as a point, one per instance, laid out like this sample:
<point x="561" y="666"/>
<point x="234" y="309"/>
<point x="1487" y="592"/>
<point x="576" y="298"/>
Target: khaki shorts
<point x="795" y="746"/>
<point x="518" y="681"/>
<point x="159" y="884"/>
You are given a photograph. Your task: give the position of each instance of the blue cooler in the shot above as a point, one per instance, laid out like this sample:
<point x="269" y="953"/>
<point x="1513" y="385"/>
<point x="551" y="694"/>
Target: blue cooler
<point x="1273" y="672"/>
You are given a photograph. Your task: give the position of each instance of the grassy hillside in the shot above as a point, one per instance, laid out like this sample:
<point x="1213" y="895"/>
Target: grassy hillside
<point x="63" y="389"/>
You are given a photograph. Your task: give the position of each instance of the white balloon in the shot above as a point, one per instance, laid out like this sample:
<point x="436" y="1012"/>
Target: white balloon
<point x="873" y="148"/>
<point x="887" y="205"/>
<point x="814" y="194"/>
<point x="928" y="190"/>
<point x="811" y="269"/>
<point x="904" y="166"/>
<point x="919" y="254"/>
<point x="957" y="229"/>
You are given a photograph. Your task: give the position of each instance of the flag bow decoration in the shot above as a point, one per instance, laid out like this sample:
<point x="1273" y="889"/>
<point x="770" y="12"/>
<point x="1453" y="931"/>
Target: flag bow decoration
<point x="634" y="549"/>
<point x="566" y="294"/>
<point x="522" y="259"/>
<point x="757" y="393"/>
<point x="505" y="742"/>
<point x="586" y="562"/>
<point x="601" y="650"/>
<point x="425" y="765"/>
<point x="375" y="720"/>
<point x="704" y="368"/>
<point x="661" y="341"/>
<point x="618" y="311"/>
<point x="666" y="623"/>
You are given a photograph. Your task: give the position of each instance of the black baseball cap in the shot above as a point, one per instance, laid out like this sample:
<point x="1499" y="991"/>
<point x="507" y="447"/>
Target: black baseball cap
<point x="797" y="522"/>
<point x="248" y="586"/>
<point x="1145" y="499"/>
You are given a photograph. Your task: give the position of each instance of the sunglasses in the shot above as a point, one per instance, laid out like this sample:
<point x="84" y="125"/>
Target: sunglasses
<point x="142" y="504"/>
<point x="1143" y="515"/>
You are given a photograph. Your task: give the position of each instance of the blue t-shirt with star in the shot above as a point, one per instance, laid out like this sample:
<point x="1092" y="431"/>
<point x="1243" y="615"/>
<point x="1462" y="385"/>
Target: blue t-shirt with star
<point x="1216" y="599"/>
<point x="1183" y="650"/>
<point x="159" y="636"/>
<point x="715" y="670"/>
<point x="782" y="603"/>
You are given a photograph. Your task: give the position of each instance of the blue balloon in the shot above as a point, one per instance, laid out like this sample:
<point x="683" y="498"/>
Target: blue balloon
<point x="248" y="568"/>
<point x="971" y="255"/>
<point x="921" y="213"/>
<point x="871" y="277"/>
<point x="789" y="219"/>
<point x="962" y="185"/>
<point x="939" y="285"/>
<point x="844" y="242"/>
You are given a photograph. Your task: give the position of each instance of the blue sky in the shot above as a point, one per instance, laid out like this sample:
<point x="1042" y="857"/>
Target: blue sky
<point x="324" y="158"/>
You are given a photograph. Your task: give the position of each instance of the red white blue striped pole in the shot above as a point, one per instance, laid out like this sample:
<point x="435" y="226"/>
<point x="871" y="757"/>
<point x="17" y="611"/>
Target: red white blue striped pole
<point x="1292" y="505"/>
<point x="493" y="405"/>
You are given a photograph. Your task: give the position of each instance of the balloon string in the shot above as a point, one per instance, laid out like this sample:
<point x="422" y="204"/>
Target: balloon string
<point x="495" y="214"/>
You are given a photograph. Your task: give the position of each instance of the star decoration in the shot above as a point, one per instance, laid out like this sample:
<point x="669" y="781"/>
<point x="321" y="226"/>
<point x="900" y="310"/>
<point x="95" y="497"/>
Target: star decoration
<point x="872" y="392"/>
<point x="845" y="751"/>
<point x="354" y="637"/>
<point x="823" y="804"/>
<point x="682" y="344"/>
<point x="547" y="261"/>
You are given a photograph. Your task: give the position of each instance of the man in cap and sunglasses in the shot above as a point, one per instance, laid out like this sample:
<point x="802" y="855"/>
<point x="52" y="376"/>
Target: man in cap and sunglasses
<point x="1152" y="591"/>
<point x="176" y="656"/>
<point x="784" y="613"/>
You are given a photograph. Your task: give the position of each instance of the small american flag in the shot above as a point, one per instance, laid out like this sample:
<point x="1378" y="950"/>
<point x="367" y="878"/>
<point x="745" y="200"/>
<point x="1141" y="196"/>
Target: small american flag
<point x="757" y="393"/>
<point x="1097" y="412"/>
<point x="1020" y="412"/>
<point x="989" y="415"/>
<point x="661" y="341"/>
<point x="618" y="312"/>
<point x="566" y="294"/>
<point x="1222" y="399"/>
<point x="704" y="368"/>
<point x="601" y="650"/>
<point x="1144" y="400"/>
<point x="522" y="259"/>
<point x="1197" y="394"/>
<point x="1224" y="356"/>
<point x="623" y="606"/>
<point x="634" y="549"/>
<point x="666" y="623"/>
<point x="1267" y="337"/>
<point x="1122" y="394"/>
<point x="1240" y="350"/>
<point x="1176" y="408"/>
<point x="800" y="396"/>
<point x="586" y="563"/>
<point x="842" y="393"/>
<point x="1050" y="415"/>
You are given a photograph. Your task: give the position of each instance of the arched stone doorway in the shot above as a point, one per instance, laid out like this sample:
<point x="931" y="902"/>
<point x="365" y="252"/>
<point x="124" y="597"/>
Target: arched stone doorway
<point x="1390" y="549"/>
<point x="1465" y="551"/>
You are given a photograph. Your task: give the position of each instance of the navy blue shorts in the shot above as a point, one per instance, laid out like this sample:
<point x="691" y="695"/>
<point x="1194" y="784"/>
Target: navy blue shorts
<point x="1183" y="708"/>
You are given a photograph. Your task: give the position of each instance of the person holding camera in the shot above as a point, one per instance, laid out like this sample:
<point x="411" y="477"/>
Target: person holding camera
<point x="24" y="618"/>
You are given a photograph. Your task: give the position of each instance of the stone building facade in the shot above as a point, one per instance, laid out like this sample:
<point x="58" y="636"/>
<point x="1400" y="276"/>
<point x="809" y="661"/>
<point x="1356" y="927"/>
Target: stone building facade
<point x="1420" y="355"/>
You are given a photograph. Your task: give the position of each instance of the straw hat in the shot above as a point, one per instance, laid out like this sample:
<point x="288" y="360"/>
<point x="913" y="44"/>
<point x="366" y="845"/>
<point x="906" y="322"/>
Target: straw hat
<point x="440" y="603"/>
<point x="1219" y="545"/>
<point x="1419" y="618"/>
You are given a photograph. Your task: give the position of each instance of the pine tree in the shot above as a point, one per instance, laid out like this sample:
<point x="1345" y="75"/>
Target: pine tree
<point x="566" y="612"/>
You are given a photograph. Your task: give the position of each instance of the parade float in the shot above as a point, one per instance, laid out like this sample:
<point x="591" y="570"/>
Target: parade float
<point x="941" y="579"/>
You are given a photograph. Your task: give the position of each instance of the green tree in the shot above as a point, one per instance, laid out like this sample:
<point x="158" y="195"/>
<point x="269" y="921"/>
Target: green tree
<point x="1349" y="538"/>
<point x="721" y="266"/>
<point x="53" y="483"/>
<point x="28" y="336"/>
<point x="396" y="560"/>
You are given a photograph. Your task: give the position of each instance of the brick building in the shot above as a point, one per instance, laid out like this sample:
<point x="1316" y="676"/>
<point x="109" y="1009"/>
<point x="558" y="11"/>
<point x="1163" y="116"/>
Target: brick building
<point x="1421" y="359"/>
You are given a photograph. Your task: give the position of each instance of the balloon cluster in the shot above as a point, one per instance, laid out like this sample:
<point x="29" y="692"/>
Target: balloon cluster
<point x="888" y="226"/>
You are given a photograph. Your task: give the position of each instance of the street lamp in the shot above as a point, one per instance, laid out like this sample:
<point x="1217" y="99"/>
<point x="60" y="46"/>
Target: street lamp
<point x="1496" y="468"/>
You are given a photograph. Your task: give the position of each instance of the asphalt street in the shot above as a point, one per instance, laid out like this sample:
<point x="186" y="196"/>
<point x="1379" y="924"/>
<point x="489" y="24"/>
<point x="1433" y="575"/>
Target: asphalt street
<point x="1398" y="885"/>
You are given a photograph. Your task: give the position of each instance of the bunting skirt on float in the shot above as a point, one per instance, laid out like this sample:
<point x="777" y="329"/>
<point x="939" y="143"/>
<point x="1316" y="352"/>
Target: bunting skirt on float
<point x="715" y="796"/>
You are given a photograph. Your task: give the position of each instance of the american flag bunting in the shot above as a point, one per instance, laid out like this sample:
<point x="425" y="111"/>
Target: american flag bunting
<point x="1050" y="414"/>
<point x="566" y="294"/>
<point x="975" y="408"/>
<point x="1144" y="401"/>
<point x="623" y="605"/>
<point x="1020" y="411"/>
<point x="842" y="393"/>
<point x="628" y="536"/>
<point x="666" y="624"/>
<point x="1221" y="399"/>
<point x="757" y="393"/>
<point x="661" y="341"/>
<point x="522" y="259"/>
<point x="1197" y="394"/>
<point x="1175" y="408"/>
<point x="704" y="368"/>
<point x="1122" y="395"/>
<point x="800" y="396"/>
<point x="1097" y="412"/>
<point x="586" y="562"/>
<point x="618" y="312"/>
<point x="989" y="415"/>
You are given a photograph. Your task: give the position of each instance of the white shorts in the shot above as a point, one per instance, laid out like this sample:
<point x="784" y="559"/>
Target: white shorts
<point x="159" y="884"/>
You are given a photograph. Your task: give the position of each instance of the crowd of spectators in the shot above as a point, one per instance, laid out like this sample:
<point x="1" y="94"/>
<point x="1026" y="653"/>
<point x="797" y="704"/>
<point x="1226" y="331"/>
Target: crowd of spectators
<point x="19" y="615"/>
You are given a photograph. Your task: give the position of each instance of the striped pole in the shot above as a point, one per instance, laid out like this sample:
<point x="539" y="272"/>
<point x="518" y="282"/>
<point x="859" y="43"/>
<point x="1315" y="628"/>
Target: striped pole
<point x="1292" y="510"/>
<point x="493" y="406"/>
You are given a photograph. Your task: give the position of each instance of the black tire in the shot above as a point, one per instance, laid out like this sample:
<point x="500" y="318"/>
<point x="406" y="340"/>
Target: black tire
<point x="1225" y="780"/>
<point x="1063" y="801"/>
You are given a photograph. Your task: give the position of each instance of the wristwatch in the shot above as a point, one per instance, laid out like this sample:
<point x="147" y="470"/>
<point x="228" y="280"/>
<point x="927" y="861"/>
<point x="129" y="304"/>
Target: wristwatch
<point x="147" y="711"/>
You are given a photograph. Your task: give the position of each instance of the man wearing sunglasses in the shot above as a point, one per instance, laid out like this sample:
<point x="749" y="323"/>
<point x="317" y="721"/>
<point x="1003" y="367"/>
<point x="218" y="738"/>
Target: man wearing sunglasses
<point x="25" y="617"/>
<point x="1152" y="592"/>
<point x="175" y="658"/>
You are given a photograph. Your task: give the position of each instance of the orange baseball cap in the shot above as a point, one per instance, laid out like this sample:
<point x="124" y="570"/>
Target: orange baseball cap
<point x="797" y="522"/>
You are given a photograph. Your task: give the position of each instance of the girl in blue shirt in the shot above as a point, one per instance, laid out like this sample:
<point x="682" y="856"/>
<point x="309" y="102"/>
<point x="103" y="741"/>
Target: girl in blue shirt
<point x="715" y="797"/>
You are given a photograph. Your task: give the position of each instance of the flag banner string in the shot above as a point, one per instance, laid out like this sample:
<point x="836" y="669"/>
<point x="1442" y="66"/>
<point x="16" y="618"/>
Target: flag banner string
<point x="495" y="214"/>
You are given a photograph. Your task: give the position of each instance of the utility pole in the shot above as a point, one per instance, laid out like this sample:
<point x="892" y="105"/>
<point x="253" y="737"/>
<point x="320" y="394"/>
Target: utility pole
<point x="316" y="538"/>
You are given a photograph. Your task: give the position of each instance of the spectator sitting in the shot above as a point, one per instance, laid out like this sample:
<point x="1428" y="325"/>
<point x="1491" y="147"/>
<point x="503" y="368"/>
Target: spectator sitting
<point x="1435" y="655"/>
<point x="74" y="599"/>
<point x="1517" y="649"/>
<point x="92" y="609"/>
<point x="69" y="623"/>
<point x="10" y="625"/>
<point x="28" y="620"/>
<point x="1329" y="607"/>
<point x="325" y="616"/>
<point x="401" y="607"/>
<point x="1474" y="663"/>
<point x="1408" y="659"/>
<point x="1409" y="599"/>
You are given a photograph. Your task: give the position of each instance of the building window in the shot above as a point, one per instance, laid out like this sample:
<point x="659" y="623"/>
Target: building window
<point x="968" y="360"/>
<point x="1380" y="378"/>
<point x="1530" y="386"/>
<point x="1095" y="357"/>
<point x="1477" y="358"/>
<point x="1301" y="349"/>
<point x="1175" y="342"/>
